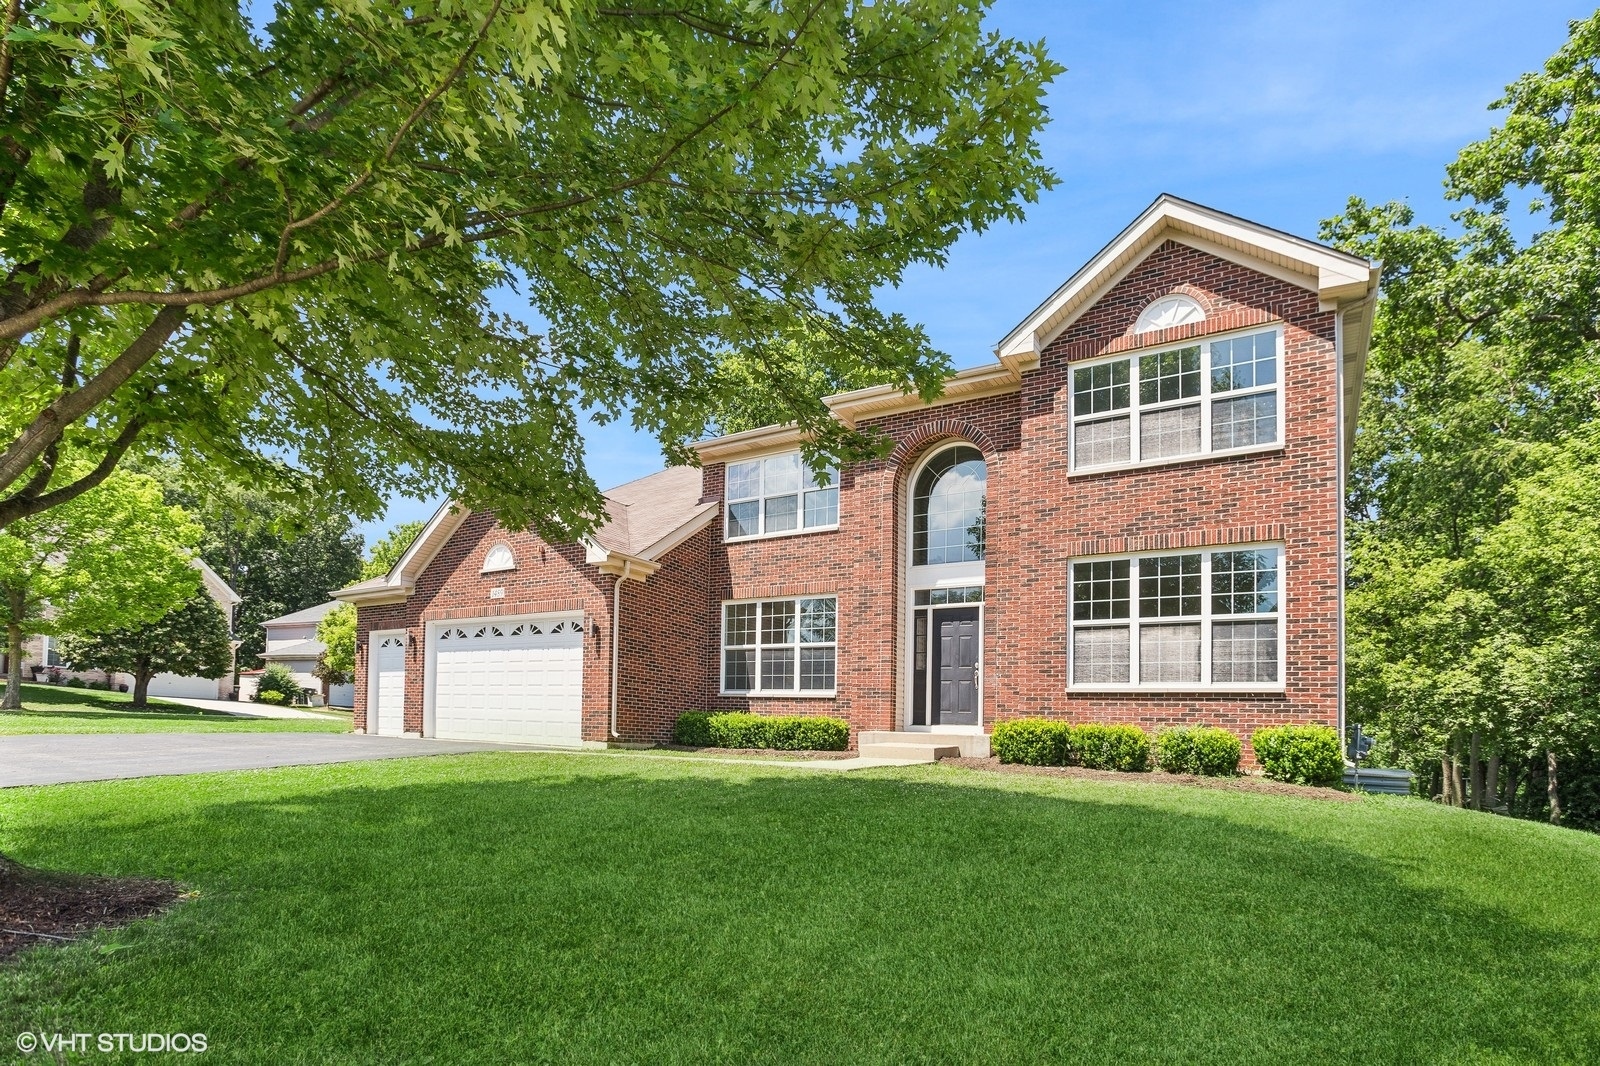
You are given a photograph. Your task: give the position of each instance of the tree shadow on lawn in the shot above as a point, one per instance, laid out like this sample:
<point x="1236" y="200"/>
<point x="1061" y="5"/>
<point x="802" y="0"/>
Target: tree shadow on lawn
<point x="531" y="908"/>
<point x="44" y="699"/>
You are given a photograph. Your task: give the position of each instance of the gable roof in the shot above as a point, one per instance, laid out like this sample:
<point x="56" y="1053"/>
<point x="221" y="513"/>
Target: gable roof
<point x="645" y="519"/>
<point x="1345" y="283"/>
<point x="1333" y="275"/>
<point x="304" y="616"/>
<point x="218" y="589"/>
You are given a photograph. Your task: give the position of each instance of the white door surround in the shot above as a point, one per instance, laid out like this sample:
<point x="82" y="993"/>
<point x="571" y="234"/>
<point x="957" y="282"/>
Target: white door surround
<point x="386" y="682"/>
<point x="516" y="679"/>
<point x="934" y="585"/>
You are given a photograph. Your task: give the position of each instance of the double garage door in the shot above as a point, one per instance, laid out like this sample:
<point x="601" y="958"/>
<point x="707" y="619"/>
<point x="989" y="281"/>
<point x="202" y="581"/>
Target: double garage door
<point x="517" y="679"/>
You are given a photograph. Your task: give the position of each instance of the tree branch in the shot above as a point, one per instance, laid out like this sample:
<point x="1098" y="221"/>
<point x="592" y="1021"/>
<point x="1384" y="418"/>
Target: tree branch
<point x="19" y="506"/>
<point x="67" y="408"/>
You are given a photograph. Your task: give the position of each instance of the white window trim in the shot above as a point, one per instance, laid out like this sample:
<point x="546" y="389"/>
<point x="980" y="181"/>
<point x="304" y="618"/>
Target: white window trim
<point x="761" y="502"/>
<point x="1206" y="619"/>
<point x="1205" y="399"/>
<point x="511" y="555"/>
<point x="775" y="693"/>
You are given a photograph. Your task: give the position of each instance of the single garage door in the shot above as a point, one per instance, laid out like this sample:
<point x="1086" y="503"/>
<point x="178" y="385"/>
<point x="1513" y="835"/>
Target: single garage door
<point x="200" y="688"/>
<point x="509" y="679"/>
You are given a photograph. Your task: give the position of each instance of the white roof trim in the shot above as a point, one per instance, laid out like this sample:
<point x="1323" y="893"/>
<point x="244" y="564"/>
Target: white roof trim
<point x="1333" y="275"/>
<point x="233" y="598"/>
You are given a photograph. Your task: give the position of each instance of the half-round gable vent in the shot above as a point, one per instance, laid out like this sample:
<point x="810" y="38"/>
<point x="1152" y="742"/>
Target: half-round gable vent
<point x="1169" y="311"/>
<point x="499" y="558"/>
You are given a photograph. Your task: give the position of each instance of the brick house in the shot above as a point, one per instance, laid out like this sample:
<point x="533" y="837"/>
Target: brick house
<point x="1133" y="515"/>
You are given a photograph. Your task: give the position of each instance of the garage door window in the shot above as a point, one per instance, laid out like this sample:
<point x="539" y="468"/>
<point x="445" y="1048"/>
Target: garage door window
<point x="771" y="647"/>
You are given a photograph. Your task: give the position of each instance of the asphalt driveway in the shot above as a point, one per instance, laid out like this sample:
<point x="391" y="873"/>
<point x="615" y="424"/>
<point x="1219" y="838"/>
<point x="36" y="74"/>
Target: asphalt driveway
<point x="53" y="759"/>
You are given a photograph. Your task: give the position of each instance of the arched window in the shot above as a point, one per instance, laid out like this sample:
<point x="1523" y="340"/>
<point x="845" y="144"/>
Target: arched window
<point x="947" y="508"/>
<point x="1169" y="311"/>
<point x="499" y="558"/>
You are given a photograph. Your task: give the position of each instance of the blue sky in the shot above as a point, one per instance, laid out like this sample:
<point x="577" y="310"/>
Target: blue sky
<point x="1277" y="111"/>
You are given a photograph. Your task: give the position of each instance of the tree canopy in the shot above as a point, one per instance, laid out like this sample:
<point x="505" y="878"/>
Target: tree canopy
<point x="1473" y="514"/>
<point x="111" y="557"/>
<point x="191" y="640"/>
<point x="239" y="244"/>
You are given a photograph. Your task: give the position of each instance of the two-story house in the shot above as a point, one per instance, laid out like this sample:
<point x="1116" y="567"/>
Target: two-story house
<point x="1134" y="514"/>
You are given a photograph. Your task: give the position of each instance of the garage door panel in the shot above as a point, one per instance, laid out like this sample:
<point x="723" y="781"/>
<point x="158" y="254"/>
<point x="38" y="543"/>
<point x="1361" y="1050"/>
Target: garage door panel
<point x="512" y="681"/>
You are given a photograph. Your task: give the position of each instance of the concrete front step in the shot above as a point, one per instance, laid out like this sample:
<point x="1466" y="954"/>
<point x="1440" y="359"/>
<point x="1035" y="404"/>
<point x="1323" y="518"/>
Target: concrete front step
<point x="910" y="752"/>
<point x="926" y="747"/>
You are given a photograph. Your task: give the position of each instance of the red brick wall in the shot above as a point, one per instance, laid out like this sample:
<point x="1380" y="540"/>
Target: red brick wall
<point x="1040" y="517"/>
<point x="547" y="579"/>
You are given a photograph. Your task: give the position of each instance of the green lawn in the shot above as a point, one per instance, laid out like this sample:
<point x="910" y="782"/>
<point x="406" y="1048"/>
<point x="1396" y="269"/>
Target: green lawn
<point x="59" y="709"/>
<point x="610" y="908"/>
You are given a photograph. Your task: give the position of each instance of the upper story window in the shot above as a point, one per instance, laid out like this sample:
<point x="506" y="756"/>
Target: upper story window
<point x="779" y="494"/>
<point x="499" y="558"/>
<point x="948" y="506"/>
<point x="1190" y="620"/>
<point x="1210" y="396"/>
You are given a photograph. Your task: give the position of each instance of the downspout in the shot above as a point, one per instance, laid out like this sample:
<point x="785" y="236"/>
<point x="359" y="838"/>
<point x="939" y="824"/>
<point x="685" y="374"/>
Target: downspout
<point x="616" y="632"/>
<point x="1343" y="461"/>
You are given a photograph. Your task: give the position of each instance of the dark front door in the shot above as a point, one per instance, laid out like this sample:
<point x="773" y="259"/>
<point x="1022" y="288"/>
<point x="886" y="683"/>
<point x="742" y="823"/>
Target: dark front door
<point x="956" y="643"/>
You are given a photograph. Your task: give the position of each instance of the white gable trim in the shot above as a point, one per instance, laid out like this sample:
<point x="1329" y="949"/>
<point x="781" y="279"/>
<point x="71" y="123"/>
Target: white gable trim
<point x="1333" y="275"/>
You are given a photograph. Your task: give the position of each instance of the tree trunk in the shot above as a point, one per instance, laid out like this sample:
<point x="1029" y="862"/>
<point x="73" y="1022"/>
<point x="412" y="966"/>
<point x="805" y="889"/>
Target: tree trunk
<point x="1491" y="785"/>
<point x="1551" y="789"/>
<point x="1511" y="781"/>
<point x="141" y="686"/>
<point x="1475" y="769"/>
<point x="1444" y="781"/>
<point x="13" y="697"/>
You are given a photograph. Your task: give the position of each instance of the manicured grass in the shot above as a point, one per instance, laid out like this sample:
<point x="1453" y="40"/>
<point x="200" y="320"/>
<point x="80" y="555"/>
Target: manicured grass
<point x="60" y="709"/>
<point x="518" y="907"/>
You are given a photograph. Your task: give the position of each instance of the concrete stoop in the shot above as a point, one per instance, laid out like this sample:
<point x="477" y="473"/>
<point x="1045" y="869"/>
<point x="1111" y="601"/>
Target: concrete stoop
<point x="921" y="747"/>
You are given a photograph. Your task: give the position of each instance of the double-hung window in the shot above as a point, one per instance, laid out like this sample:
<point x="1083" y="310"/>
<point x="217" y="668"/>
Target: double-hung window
<point x="1193" y="619"/>
<point x="778" y="646"/>
<point x="779" y="494"/>
<point x="1211" y="396"/>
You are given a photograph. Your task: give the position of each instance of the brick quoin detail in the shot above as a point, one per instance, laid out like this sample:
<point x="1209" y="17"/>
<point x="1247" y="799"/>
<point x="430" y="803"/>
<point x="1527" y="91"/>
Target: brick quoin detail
<point x="1040" y="516"/>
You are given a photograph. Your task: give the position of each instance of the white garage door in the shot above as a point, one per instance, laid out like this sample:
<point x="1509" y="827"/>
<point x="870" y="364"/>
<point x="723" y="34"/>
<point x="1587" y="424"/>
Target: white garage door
<point x="514" y="680"/>
<point x="200" y="688"/>
<point x="386" y="689"/>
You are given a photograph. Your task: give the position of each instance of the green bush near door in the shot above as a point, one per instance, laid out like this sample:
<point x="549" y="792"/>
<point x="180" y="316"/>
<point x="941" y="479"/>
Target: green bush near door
<point x="795" y="732"/>
<point x="1032" y="742"/>
<point x="1047" y="742"/>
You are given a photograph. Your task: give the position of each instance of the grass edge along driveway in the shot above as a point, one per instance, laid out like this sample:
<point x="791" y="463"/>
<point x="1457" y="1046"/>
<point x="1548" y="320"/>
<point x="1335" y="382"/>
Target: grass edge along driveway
<point x="532" y="907"/>
<point x="63" y="709"/>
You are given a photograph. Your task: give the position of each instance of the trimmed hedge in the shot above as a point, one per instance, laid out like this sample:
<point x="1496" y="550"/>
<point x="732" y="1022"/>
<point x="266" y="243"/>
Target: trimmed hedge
<point x="1111" y="747"/>
<point x="1300" y="754"/>
<point x="1032" y="742"/>
<point x="794" y="732"/>
<point x="1204" y="750"/>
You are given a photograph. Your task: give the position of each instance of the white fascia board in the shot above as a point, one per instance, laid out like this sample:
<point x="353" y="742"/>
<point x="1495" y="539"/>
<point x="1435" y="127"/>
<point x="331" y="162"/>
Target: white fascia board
<point x="1332" y="274"/>
<point x="445" y="521"/>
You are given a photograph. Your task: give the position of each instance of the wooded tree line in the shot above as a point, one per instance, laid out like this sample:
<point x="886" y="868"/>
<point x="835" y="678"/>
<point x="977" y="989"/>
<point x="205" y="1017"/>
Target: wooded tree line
<point x="1473" y="621"/>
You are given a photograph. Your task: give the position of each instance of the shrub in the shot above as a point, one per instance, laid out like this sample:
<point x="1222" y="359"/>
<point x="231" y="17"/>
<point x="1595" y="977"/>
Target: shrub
<point x="1203" y="750"/>
<point x="693" y="728"/>
<point x="1032" y="742"/>
<point x="1300" y="754"/>
<point x="277" y="678"/>
<point x="76" y="682"/>
<point x="704" y="729"/>
<point x="1111" y="747"/>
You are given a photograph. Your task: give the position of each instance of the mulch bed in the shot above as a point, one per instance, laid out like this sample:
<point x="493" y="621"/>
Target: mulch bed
<point x="1229" y="784"/>
<point x="38" y="907"/>
<point x="765" y="753"/>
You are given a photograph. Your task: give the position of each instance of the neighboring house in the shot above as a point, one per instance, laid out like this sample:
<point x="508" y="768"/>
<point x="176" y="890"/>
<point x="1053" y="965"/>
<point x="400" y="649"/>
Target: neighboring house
<point x="41" y="654"/>
<point x="292" y="641"/>
<point x="1133" y="515"/>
